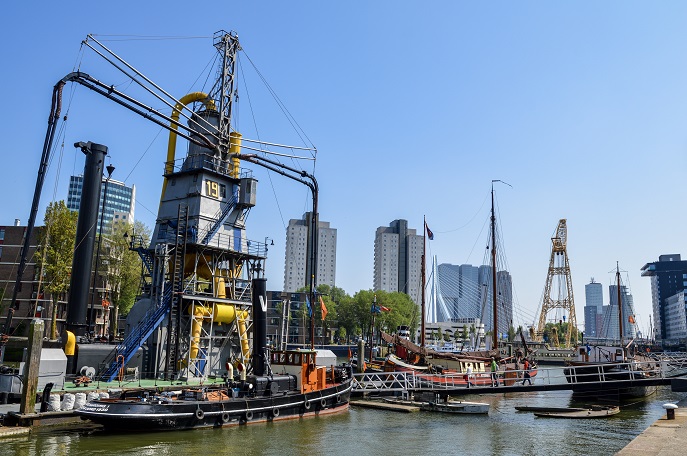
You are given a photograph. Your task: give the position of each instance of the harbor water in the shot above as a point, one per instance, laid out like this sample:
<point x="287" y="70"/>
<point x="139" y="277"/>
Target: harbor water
<point x="364" y="431"/>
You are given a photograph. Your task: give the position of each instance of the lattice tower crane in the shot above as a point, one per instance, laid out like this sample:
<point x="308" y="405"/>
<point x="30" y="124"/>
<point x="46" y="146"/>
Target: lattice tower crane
<point x="559" y="270"/>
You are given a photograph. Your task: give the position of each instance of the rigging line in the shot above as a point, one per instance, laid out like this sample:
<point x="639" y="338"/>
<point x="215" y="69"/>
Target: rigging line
<point x="299" y="131"/>
<point x="47" y="234"/>
<point x="149" y="81"/>
<point x="265" y="151"/>
<point x="257" y="132"/>
<point x="148" y="37"/>
<point x="144" y="154"/>
<point x="470" y="221"/>
<point x="285" y="146"/>
<point x="147" y="89"/>
<point x="476" y="241"/>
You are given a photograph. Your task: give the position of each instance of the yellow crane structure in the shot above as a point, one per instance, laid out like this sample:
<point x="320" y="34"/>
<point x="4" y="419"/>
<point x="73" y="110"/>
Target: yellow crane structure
<point x="559" y="274"/>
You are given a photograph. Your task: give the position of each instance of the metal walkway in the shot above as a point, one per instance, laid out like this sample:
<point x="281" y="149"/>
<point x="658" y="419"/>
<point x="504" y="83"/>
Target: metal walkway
<point x="547" y="379"/>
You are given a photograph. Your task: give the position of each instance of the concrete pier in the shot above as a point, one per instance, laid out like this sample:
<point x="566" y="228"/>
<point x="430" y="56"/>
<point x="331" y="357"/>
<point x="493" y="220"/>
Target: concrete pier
<point x="663" y="438"/>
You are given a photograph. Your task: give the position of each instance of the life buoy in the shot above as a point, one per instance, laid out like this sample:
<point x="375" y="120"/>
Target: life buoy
<point x="225" y="417"/>
<point x="249" y="415"/>
<point x="275" y="412"/>
<point x="200" y="414"/>
<point x="323" y="402"/>
<point x="338" y="399"/>
<point x="306" y="404"/>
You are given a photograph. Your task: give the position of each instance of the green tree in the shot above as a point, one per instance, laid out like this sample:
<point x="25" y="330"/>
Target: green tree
<point x="55" y="254"/>
<point x="123" y="271"/>
<point x="511" y="333"/>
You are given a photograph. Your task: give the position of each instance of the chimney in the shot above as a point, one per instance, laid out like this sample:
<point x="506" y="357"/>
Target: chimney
<point x="16" y="222"/>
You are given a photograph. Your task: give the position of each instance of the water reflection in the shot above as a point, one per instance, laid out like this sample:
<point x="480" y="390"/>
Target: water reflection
<point x="362" y="431"/>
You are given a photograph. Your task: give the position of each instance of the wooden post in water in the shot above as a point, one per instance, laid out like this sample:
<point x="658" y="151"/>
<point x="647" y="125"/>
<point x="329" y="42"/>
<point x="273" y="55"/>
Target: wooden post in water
<point x="31" y="367"/>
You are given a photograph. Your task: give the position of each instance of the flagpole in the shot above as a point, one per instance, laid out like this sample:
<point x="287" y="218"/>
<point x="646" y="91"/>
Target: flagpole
<point x="424" y="242"/>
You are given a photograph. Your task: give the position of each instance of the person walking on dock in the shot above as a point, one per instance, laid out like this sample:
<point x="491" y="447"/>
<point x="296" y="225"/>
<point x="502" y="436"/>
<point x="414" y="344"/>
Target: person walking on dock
<point x="494" y="374"/>
<point x="527" y="377"/>
<point x="468" y="375"/>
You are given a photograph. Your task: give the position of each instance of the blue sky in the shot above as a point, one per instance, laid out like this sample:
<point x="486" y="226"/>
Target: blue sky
<point x="414" y="107"/>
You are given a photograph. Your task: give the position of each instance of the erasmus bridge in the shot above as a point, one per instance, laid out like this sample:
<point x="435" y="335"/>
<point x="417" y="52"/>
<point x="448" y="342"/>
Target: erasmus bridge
<point x="457" y="292"/>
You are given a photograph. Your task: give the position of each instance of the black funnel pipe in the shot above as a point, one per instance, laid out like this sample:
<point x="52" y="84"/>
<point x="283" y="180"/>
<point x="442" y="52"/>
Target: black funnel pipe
<point x="82" y="264"/>
<point x="259" y="325"/>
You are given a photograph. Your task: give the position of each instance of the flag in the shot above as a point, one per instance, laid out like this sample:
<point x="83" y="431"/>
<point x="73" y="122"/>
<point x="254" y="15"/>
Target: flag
<point x="430" y="235"/>
<point x="323" y="308"/>
<point x="631" y="319"/>
<point x="379" y="309"/>
<point x="307" y="303"/>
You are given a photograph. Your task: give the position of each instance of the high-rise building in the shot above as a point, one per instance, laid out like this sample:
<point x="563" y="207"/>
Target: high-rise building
<point x="668" y="277"/>
<point x="610" y="315"/>
<point x="398" y="260"/>
<point x="594" y="301"/>
<point x="120" y="202"/>
<point x="297" y="261"/>
<point x="676" y="317"/>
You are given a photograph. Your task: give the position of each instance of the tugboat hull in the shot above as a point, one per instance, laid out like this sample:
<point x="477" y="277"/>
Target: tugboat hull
<point x="158" y="413"/>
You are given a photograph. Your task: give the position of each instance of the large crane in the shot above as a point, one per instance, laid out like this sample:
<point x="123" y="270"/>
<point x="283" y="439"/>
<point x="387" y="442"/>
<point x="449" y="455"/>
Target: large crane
<point x="558" y="280"/>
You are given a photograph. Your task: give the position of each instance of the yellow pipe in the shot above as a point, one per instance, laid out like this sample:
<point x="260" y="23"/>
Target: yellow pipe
<point x="235" y="148"/>
<point x="70" y="346"/>
<point x="172" y="143"/>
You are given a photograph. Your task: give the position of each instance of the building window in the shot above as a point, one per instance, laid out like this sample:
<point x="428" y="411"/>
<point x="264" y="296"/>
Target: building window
<point x="2" y="234"/>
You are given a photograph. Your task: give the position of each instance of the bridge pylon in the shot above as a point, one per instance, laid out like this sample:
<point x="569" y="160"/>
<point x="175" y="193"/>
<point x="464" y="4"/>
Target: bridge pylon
<point x="559" y="275"/>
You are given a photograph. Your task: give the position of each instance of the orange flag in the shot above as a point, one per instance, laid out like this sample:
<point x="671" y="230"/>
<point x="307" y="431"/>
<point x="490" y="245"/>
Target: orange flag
<point x="323" y="307"/>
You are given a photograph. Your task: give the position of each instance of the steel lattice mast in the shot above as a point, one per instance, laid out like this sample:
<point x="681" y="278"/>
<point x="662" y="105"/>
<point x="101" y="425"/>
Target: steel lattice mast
<point x="559" y="268"/>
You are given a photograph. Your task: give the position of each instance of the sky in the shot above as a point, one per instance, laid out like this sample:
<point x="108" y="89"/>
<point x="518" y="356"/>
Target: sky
<point x="414" y="107"/>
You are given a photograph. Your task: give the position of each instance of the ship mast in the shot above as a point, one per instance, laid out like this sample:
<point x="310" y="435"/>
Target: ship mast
<point x="495" y="336"/>
<point x="422" y="272"/>
<point x="620" y="303"/>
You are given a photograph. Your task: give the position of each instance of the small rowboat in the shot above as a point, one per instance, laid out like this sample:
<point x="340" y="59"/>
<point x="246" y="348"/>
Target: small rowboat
<point x="596" y="412"/>
<point x="549" y="409"/>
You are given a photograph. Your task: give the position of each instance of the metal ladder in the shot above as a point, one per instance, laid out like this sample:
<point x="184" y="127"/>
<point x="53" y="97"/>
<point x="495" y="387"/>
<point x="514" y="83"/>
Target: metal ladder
<point x="177" y="289"/>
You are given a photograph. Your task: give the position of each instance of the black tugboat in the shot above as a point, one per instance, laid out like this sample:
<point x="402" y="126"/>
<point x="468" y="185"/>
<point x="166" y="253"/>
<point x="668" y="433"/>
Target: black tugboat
<point x="300" y="389"/>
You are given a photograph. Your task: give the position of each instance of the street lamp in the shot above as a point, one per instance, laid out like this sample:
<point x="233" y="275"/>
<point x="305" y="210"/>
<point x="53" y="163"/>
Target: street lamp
<point x="91" y="320"/>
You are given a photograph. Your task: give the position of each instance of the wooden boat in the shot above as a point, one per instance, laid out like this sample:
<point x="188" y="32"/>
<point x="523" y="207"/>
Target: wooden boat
<point x="549" y="409"/>
<point x="296" y="388"/>
<point x="594" y="369"/>
<point x="594" y="412"/>
<point x="445" y="406"/>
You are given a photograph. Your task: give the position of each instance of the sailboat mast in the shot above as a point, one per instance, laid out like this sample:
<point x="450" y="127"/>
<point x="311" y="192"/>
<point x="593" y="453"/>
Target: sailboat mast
<point x="423" y="277"/>
<point x="495" y="336"/>
<point x="620" y="303"/>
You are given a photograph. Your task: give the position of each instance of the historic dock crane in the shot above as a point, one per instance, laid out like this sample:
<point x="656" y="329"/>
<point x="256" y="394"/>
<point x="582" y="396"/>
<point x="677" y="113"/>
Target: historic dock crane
<point x="559" y="280"/>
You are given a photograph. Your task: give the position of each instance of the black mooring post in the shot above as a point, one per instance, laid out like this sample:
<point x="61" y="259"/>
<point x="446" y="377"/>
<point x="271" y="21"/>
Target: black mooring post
<point x="259" y="325"/>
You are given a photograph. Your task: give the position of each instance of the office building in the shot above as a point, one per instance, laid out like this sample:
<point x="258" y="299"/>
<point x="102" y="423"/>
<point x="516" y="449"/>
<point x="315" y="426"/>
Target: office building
<point x="611" y="318"/>
<point x="398" y="260"/>
<point x="120" y="202"/>
<point x="668" y="278"/>
<point x="298" y="255"/>
<point x="30" y="302"/>
<point x="594" y="301"/>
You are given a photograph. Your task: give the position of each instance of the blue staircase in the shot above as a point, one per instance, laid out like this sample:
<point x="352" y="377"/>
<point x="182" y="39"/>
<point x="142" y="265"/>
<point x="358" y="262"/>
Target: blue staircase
<point x="147" y="258"/>
<point x="137" y="337"/>
<point x="220" y="218"/>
